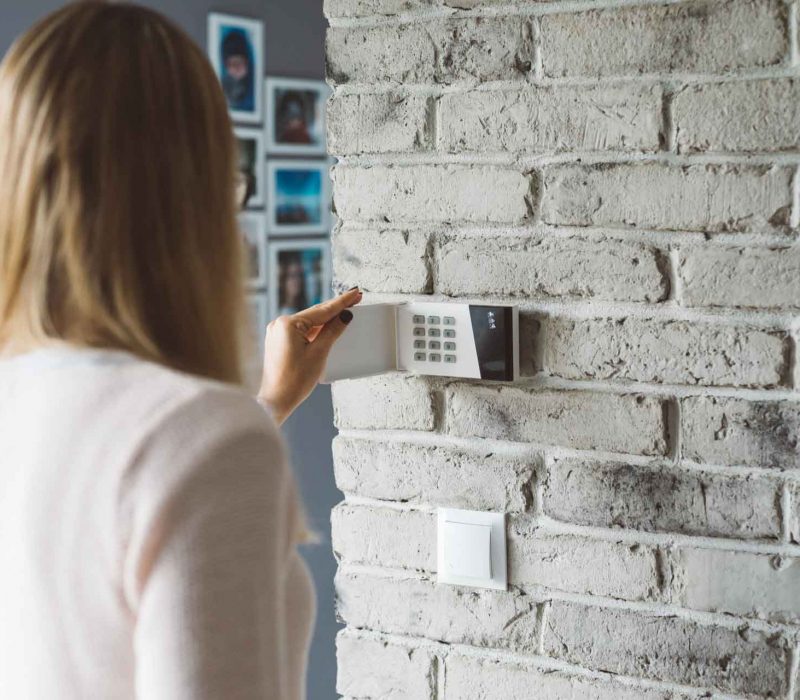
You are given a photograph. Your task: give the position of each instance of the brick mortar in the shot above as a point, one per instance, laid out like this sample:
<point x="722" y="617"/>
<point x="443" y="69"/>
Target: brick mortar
<point x="529" y="9"/>
<point x="766" y="319"/>
<point x="678" y="80"/>
<point x="662" y="240"/>
<point x="529" y="161"/>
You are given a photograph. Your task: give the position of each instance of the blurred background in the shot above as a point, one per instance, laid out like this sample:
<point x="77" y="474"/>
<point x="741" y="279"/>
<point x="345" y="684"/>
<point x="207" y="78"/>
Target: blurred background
<point x="294" y="35"/>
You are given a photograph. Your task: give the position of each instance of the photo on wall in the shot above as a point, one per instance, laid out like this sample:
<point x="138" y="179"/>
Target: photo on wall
<point x="296" y="116"/>
<point x="300" y="275"/>
<point x="251" y="163"/>
<point x="254" y="235"/>
<point x="257" y="319"/>
<point x="298" y="196"/>
<point x="236" y="50"/>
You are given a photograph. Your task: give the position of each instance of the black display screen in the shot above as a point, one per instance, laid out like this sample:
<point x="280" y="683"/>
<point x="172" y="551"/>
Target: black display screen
<point x="492" y="328"/>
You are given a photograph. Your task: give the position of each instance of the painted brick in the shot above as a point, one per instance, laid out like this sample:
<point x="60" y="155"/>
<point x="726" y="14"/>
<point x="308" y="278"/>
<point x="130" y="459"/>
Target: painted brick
<point x="743" y="277"/>
<point x="665" y="351"/>
<point x="450" y="614"/>
<point x="474" y="678"/>
<point x="382" y="261"/>
<point x="721" y="430"/>
<point x="550" y="267"/>
<point x="435" y="475"/>
<point x="384" y="536"/>
<point x="661" y="498"/>
<point x="667" y="648"/>
<point x="793" y="515"/>
<point x="370" y="667"/>
<point x="388" y="402"/>
<point x="404" y="539"/>
<point x="693" y="37"/>
<point x="709" y="198"/>
<point x="754" y="116"/>
<point x="583" y="564"/>
<point x="365" y="8"/>
<point x="742" y="583"/>
<point x="544" y="119"/>
<point x="378" y="123"/>
<point x="431" y="193"/>
<point x="582" y="420"/>
<point x="437" y="51"/>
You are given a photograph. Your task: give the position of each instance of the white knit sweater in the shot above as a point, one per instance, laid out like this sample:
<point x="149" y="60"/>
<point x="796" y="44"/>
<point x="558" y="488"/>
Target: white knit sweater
<point x="148" y="522"/>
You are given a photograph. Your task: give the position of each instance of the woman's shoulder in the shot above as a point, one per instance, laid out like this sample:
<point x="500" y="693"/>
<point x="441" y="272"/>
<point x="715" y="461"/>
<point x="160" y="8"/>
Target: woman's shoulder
<point x="188" y="424"/>
<point x="168" y="396"/>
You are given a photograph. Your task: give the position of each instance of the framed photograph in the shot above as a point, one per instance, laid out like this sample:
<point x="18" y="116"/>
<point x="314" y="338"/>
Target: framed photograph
<point x="254" y="233"/>
<point x="298" y="196"/>
<point x="252" y="158"/>
<point x="257" y="319"/>
<point x="300" y="275"/>
<point x="236" y="50"/>
<point x="296" y="116"/>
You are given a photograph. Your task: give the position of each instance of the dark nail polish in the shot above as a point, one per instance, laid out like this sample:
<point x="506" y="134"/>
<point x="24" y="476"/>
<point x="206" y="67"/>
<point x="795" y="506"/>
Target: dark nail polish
<point x="346" y="316"/>
<point x="352" y="288"/>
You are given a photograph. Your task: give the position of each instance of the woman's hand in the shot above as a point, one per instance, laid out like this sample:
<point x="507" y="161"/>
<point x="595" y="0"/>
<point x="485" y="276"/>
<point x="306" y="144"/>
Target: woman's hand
<point x="296" y="350"/>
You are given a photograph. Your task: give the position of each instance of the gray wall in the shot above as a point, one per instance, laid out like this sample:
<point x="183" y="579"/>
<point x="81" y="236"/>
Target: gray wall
<point x="295" y="34"/>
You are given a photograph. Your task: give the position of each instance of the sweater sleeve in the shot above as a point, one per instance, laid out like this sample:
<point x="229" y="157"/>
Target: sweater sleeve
<point x="212" y="516"/>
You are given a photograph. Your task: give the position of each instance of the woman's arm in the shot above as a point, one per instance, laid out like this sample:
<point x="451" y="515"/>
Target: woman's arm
<point x="213" y="525"/>
<point x="296" y="350"/>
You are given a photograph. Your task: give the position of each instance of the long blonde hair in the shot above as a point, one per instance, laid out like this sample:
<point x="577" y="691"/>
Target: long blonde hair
<point x="117" y="209"/>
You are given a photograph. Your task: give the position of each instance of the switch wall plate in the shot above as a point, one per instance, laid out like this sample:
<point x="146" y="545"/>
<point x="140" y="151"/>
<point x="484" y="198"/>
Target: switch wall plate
<point x="432" y="338"/>
<point x="471" y="548"/>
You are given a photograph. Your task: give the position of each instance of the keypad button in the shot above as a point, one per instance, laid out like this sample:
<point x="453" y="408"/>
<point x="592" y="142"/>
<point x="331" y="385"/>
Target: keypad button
<point x="434" y="320"/>
<point x="434" y="332"/>
<point x="449" y="346"/>
<point x="434" y="345"/>
<point x="419" y="331"/>
<point x="449" y="333"/>
<point x="419" y="319"/>
<point x="435" y="357"/>
<point x="449" y="321"/>
<point x="450" y="358"/>
<point x="419" y="356"/>
<point x="419" y="345"/>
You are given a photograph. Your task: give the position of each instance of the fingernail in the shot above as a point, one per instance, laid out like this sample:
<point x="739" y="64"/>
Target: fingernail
<point x="352" y="288"/>
<point x="346" y="316"/>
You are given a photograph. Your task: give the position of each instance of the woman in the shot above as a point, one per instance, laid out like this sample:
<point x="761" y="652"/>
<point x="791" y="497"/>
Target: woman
<point x="148" y="519"/>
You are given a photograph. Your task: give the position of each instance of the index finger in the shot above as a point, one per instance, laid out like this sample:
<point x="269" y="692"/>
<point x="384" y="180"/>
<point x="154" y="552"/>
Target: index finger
<point x="320" y="314"/>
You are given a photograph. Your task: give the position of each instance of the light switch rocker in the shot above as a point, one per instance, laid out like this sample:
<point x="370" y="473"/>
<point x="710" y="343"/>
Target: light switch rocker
<point x="442" y="339"/>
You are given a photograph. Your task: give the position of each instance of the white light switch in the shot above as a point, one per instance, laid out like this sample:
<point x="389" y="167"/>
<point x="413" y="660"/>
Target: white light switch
<point x="467" y="549"/>
<point x="472" y="548"/>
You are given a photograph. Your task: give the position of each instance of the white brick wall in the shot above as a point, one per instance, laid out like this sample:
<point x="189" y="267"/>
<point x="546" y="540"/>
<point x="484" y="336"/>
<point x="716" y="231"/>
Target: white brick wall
<point x="628" y="172"/>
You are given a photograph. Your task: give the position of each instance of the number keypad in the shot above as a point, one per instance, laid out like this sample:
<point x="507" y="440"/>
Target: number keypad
<point x="433" y="327"/>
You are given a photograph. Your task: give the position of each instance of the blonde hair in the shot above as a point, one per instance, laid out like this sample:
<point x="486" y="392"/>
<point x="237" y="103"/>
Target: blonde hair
<point x="117" y="211"/>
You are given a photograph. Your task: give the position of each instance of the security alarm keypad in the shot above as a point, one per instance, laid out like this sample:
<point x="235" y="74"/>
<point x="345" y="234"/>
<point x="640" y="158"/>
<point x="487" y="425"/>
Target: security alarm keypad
<point x="444" y="339"/>
<point x="429" y="326"/>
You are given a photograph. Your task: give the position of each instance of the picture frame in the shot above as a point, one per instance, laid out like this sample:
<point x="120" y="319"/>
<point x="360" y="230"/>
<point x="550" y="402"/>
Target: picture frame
<point x="298" y="197"/>
<point x="252" y="162"/>
<point x="257" y="318"/>
<point x="236" y="50"/>
<point x="299" y="274"/>
<point x="295" y="116"/>
<point x="253" y="227"/>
